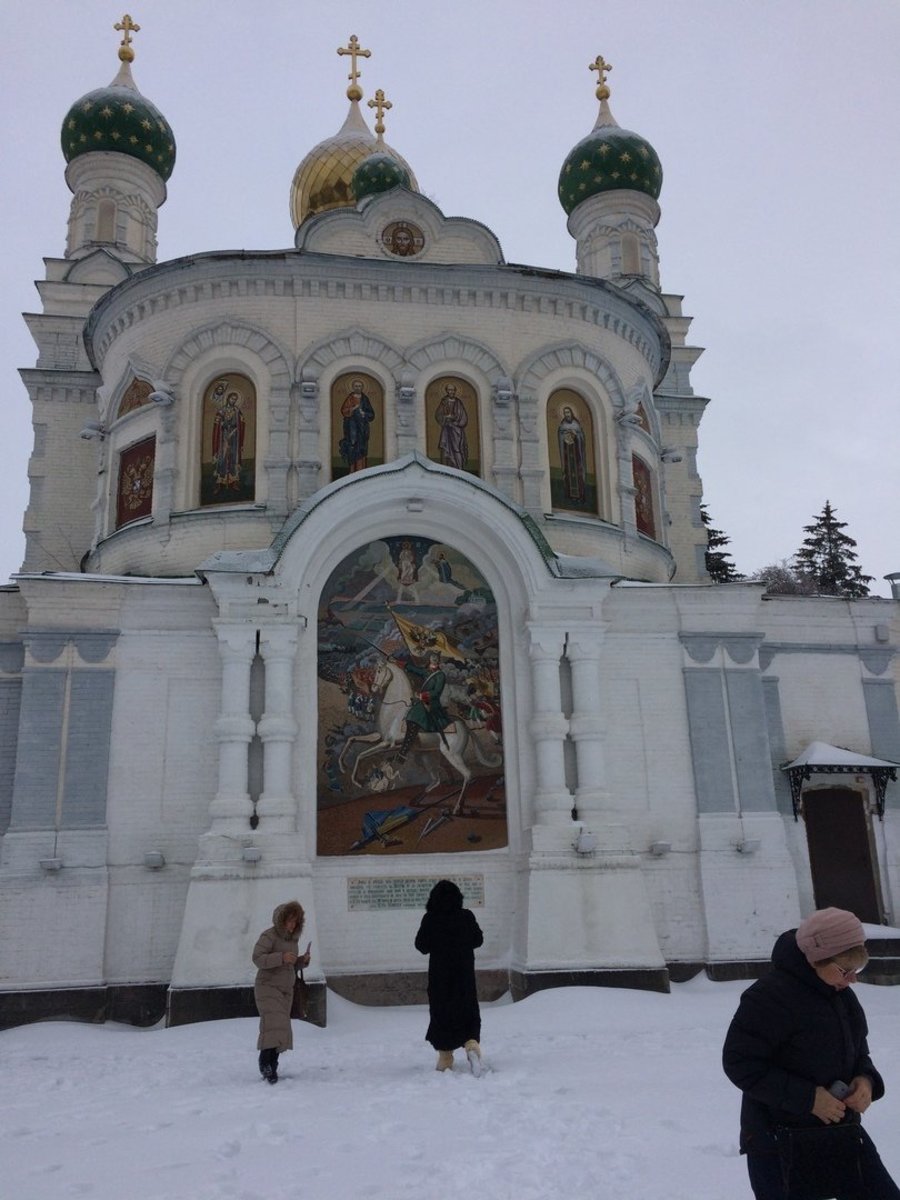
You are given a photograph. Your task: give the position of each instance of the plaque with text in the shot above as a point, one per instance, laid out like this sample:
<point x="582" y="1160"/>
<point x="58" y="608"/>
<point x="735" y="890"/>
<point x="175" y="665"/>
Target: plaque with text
<point x="367" y="893"/>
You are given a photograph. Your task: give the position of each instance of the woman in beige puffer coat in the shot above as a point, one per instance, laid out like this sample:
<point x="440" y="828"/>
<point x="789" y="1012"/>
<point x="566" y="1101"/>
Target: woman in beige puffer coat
<point x="277" y="960"/>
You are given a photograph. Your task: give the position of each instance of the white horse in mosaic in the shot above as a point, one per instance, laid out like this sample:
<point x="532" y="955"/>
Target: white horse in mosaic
<point x="395" y="692"/>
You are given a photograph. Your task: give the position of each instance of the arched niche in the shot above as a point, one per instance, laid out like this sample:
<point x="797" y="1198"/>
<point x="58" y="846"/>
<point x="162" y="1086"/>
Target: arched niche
<point x="357" y="423"/>
<point x="571" y="447"/>
<point x="228" y="440"/>
<point x="409" y="703"/>
<point x="452" y="425"/>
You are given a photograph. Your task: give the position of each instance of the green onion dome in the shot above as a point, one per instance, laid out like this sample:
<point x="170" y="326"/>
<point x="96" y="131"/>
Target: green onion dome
<point x="118" y="118"/>
<point x="379" y="173"/>
<point x="608" y="159"/>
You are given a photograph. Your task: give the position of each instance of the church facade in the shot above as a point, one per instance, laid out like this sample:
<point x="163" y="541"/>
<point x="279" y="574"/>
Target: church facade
<point x="378" y="560"/>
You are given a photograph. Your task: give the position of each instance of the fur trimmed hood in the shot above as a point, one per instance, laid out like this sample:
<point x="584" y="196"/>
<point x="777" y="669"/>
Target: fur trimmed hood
<point x="283" y="913"/>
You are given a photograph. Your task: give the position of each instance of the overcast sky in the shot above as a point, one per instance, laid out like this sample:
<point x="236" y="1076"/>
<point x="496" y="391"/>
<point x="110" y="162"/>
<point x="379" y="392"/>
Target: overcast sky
<point x="776" y="122"/>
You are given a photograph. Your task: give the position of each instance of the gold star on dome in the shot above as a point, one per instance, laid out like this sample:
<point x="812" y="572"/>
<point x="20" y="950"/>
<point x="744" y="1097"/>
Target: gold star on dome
<point x="115" y="135"/>
<point x="645" y="153"/>
<point x="106" y="111"/>
<point x="127" y="108"/>
<point x="72" y="123"/>
<point x="584" y="164"/>
<point x="145" y="124"/>
<point x="604" y="148"/>
<point x="98" y="136"/>
<point x="87" y="106"/>
<point x="133" y="140"/>
<point x="625" y="157"/>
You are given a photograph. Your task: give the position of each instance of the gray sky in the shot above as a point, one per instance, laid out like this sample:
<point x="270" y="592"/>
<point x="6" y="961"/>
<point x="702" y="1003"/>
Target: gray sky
<point x="776" y="124"/>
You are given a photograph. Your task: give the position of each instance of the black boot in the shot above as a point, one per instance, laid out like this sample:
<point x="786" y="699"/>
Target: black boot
<point x="268" y="1063"/>
<point x="410" y="737"/>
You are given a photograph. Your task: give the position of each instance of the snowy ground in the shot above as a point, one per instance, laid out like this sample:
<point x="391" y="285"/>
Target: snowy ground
<point x="592" y="1093"/>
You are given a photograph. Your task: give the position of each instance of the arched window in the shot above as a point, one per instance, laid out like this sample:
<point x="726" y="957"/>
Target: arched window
<point x="228" y="441"/>
<point x="643" y="496"/>
<point x="357" y="423"/>
<point x="451" y="424"/>
<point x="631" y="254"/>
<point x="106" y="221"/>
<point x="134" y="490"/>
<point x="570" y="442"/>
<point x="136" y="395"/>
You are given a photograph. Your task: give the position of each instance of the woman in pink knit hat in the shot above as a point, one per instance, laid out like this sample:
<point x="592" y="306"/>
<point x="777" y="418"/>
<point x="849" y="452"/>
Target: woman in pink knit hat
<point x="797" y="1049"/>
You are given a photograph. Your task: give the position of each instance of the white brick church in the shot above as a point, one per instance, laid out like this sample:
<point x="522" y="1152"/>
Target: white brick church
<point x="377" y="560"/>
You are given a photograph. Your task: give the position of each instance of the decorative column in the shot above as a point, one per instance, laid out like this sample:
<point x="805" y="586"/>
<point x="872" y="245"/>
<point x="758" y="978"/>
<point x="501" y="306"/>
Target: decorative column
<point x="548" y="727"/>
<point x="586" y="725"/>
<point x="406" y="431"/>
<point x="234" y="728"/>
<point x="504" y="467"/>
<point x="277" y="728"/>
<point x="309" y="465"/>
<point x="531" y="471"/>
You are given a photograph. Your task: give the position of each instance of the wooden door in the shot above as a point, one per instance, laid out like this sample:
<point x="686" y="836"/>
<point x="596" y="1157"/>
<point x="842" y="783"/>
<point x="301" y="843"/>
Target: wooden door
<point x="840" y="852"/>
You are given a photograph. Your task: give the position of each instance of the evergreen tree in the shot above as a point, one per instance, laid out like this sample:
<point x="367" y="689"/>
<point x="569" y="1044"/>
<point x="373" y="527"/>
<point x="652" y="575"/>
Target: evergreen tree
<point x="827" y="558"/>
<point x="719" y="566"/>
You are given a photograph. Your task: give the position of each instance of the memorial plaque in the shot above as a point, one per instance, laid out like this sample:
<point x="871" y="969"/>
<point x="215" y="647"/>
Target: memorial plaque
<point x="367" y="893"/>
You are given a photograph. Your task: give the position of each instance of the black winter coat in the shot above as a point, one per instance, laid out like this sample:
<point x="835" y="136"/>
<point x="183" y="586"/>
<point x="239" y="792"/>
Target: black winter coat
<point x="450" y="934"/>
<point x="791" y="1034"/>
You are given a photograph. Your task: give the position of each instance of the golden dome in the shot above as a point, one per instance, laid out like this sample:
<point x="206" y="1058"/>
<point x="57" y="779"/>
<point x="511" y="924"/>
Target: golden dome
<point x="324" y="178"/>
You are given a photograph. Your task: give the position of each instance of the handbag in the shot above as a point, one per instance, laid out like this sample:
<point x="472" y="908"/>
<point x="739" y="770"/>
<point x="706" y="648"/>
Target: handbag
<point x="821" y="1162"/>
<point x="300" y="1002"/>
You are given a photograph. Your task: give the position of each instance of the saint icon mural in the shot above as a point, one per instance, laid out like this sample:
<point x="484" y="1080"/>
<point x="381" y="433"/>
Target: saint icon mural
<point x="570" y="442"/>
<point x="357" y="405"/>
<point x="227" y="471"/>
<point x="452" y="424"/>
<point x="410" y="726"/>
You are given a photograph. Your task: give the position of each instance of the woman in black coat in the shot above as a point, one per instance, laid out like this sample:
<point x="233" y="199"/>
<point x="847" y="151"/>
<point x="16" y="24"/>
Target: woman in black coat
<point x="450" y="934"/>
<point x="797" y="1048"/>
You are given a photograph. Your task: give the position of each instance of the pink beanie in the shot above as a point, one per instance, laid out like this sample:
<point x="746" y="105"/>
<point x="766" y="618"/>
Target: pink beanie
<point x="828" y="932"/>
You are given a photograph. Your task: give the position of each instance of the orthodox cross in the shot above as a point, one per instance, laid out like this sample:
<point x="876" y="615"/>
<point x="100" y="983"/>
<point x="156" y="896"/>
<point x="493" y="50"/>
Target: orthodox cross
<point x="381" y="106"/>
<point x="354" y="91"/>
<point x="603" y="68"/>
<point x="126" y="27"/>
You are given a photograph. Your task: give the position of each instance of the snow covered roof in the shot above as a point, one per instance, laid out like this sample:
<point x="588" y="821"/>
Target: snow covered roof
<point x="820" y="754"/>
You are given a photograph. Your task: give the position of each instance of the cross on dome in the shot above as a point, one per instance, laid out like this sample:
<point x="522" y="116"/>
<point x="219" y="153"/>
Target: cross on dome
<point x="126" y="27"/>
<point x="354" y="91"/>
<point x="603" y="68"/>
<point x="381" y="105"/>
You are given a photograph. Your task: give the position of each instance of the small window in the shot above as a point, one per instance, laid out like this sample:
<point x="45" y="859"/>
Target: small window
<point x="106" y="221"/>
<point x="631" y="254"/>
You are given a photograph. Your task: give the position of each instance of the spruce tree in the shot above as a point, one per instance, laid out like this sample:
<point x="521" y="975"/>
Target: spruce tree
<point x="827" y="558"/>
<point x="719" y="566"/>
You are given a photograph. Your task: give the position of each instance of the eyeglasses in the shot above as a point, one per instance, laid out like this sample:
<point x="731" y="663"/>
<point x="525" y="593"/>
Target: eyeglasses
<point x="846" y="972"/>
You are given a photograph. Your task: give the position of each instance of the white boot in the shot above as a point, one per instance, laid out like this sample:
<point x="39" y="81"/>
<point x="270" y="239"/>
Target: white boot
<point x="445" y="1060"/>
<point x="473" y="1054"/>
